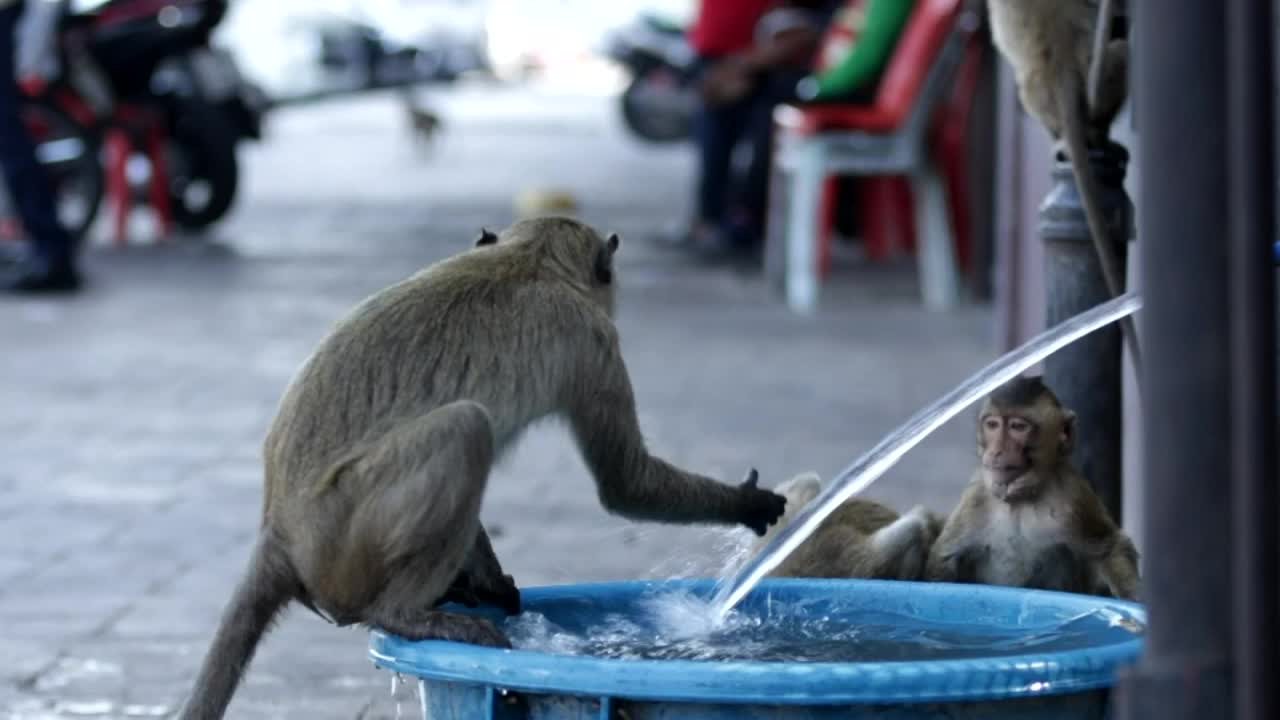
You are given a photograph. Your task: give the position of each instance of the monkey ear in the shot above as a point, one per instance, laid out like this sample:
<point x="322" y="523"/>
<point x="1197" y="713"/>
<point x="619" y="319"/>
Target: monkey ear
<point x="1068" y="430"/>
<point x="604" y="266"/>
<point x="604" y="258"/>
<point x="487" y="237"/>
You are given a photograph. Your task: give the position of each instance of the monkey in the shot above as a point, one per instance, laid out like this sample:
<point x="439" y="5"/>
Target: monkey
<point x="1027" y="517"/>
<point x="1074" y="94"/>
<point x="860" y="539"/>
<point x="482" y="581"/>
<point x="423" y="123"/>
<point x="382" y="444"/>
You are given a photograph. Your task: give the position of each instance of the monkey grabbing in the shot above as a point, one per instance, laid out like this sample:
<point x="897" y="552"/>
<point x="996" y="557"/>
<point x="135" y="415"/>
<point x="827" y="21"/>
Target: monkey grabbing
<point x="380" y="451"/>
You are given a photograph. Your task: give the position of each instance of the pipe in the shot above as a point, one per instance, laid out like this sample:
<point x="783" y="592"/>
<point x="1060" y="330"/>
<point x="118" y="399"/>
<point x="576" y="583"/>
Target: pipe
<point x="1251" y="223"/>
<point x="1087" y="376"/>
<point x="1179" y="91"/>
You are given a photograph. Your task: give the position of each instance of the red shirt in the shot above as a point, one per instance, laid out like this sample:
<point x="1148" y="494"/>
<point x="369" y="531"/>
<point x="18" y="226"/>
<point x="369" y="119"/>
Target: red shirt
<point x="726" y="26"/>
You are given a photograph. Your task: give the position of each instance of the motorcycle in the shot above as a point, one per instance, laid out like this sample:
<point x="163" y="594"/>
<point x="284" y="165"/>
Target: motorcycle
<point x="151" y="55"/>
<point x="661" y="99"/>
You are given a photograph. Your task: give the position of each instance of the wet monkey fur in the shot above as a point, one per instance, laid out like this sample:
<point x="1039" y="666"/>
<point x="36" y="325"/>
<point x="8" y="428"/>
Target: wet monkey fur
<point x="1028" y="518"/>
<point x="380" y="451"/>
<point x="1050" y="45"/>
<point x="860" y="539"/>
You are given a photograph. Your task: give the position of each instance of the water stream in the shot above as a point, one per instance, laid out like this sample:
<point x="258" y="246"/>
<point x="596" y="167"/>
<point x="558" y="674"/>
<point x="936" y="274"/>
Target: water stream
<point x="679" y="626"/>
<point x="875" y="462"/>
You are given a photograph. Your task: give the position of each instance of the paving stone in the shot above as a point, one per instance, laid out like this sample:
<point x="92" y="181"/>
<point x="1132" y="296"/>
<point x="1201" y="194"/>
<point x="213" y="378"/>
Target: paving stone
<point x="132" y="416"/>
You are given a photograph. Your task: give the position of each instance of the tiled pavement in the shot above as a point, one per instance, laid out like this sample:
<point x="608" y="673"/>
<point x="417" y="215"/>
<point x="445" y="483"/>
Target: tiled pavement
<point x="131" y="417"/>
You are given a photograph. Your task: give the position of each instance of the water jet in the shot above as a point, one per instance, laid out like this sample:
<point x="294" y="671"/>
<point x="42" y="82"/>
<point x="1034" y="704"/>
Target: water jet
<point x="795" y="647"/>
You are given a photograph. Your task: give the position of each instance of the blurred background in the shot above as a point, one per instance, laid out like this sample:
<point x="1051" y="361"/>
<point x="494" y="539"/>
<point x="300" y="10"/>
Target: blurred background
<point x="236" y="175"/>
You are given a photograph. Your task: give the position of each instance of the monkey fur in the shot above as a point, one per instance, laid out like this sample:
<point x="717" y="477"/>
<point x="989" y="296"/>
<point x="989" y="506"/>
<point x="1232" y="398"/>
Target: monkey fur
<point x="1028" y="518"/>
<point x="860" y="539"/>
<point x="381" y="448"/>
<point x="1050" y="46"/>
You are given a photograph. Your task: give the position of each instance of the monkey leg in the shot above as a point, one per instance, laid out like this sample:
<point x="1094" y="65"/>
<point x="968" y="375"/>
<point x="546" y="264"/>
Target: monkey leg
<point x="481" y="580"/>
<point x="414" y="497"/>
<point x="900" y="550"/>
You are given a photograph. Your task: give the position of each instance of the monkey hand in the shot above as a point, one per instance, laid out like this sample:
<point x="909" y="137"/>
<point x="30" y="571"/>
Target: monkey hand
<point x="759" y="508"/>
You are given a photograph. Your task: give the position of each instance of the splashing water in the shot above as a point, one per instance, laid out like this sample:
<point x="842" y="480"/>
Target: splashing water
<point x="680" y="626"/>
<point x="714" y="551"/>
<point x="866" y="469"/>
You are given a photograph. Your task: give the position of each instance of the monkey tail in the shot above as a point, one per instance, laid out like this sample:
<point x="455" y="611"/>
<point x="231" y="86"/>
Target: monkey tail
<point x="1072" y="112"/>
<point x="261" y="595"/>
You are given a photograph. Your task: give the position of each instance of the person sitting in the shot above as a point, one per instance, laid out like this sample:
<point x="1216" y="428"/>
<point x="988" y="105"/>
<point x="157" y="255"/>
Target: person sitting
<point x="50" y="265"/>
<point x="739" y="42"/>
<point x="806" y="53"/>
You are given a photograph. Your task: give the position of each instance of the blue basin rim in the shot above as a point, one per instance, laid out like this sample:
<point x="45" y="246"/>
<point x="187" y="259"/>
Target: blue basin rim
<point x="781" y="683"/>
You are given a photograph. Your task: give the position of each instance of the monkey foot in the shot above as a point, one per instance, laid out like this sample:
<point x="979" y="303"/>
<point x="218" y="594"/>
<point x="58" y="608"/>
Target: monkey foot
<point x="467" y="591"/>
<point x="506" y="596"/>
<point x="453" y="627"/>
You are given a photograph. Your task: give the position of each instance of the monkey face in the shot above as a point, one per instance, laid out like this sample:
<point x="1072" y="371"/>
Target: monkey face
<point x="1020" y="446"/>
<point x="1004" y="442"/>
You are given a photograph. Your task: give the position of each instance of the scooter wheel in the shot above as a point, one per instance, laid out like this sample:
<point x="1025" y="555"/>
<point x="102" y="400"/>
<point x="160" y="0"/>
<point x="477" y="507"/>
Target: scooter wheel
<point x="68" y="152"/>
<point x="203" y="169"/>
<point x="648" y="120"/>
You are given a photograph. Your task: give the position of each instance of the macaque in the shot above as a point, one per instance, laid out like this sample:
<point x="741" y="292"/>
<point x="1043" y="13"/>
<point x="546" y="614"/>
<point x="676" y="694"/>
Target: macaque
<point x="1028" y="518"/>
<point x="423" y="123"/>
<point x="860" y="539"/>
<point x="1051" y="44"/>
<point x="381" y="448"/>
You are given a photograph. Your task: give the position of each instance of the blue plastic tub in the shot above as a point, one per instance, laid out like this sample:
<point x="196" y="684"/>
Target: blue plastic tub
<point x="467" y="682"/>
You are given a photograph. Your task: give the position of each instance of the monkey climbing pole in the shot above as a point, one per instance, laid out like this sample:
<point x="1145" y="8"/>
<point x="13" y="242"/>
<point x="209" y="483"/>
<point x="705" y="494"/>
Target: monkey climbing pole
<point x="1087" y="376"/>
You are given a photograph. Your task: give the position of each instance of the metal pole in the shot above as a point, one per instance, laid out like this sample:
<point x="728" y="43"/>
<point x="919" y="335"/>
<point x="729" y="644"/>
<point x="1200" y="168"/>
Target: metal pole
<point x="1251" y="225"/>
<point x="1087" y="376"/>
<point x="1179" y="88"/>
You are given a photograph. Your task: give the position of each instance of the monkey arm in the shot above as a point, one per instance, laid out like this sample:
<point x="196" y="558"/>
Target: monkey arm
<point x="1114" y="564"/>
<point x="1119" y="570"/>
<point x="953" y="555"/>
<point x="1110" y="551"/>
<point x="635" y="484"/>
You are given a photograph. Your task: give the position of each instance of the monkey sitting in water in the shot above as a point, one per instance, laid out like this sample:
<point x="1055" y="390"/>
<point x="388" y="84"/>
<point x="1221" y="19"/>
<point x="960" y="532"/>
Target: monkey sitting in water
<point x="1028" y="518"/>
<point x="379" y="454"/>
<point x="860" y="539"/>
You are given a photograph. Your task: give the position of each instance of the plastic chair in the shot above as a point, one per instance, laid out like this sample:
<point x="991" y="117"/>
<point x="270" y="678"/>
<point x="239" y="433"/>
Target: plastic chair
<point x="888" y="137"/>
<point x="133" y="128"/>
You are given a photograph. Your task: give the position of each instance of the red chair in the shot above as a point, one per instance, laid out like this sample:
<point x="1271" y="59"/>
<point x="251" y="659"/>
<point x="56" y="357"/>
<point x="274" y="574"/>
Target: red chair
<point x="136" y="129"/>
<point x="888" y="137"/>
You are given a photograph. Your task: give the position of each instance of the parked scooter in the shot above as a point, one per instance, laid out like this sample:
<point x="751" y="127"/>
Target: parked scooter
<point x="661" y="100"/>
<point x="124" y="56"/>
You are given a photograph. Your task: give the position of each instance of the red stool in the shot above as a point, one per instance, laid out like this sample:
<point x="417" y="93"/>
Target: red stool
<point x="133" y="127"/>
